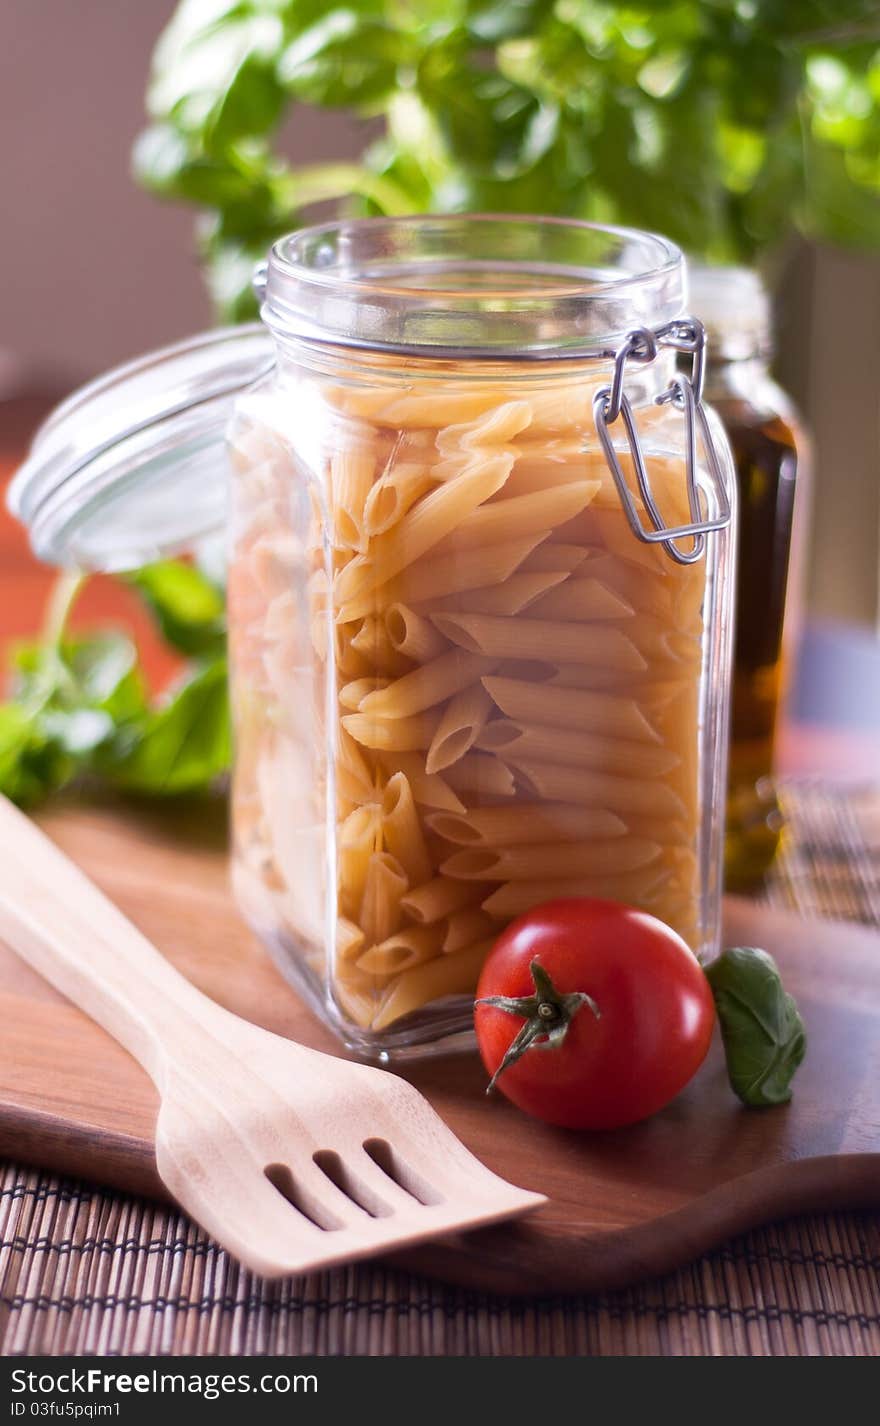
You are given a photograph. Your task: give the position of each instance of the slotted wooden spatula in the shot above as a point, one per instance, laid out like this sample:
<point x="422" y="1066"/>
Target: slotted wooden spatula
<point x="293" y="1160"/>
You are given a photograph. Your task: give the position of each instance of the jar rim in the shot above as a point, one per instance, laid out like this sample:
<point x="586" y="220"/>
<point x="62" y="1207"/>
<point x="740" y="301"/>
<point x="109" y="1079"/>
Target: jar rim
<point x="515" y="286"/>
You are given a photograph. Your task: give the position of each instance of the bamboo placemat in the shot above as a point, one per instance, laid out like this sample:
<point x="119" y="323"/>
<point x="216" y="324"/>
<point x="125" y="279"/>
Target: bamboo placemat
<point x="85" y="1272"/>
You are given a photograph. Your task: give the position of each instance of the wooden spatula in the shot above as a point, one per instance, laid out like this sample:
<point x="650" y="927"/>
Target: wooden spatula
<point x="293" y="1160"/>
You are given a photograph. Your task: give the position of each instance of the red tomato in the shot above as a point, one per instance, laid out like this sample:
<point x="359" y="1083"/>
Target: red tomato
<point x="638" y="1033"/>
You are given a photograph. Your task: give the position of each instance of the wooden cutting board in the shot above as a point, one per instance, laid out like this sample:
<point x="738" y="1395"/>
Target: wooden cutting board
<point x="621" y="1205"/>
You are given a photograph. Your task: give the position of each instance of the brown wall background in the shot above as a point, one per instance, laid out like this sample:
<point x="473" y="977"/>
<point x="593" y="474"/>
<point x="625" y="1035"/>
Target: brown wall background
<point x="93" y="271"/>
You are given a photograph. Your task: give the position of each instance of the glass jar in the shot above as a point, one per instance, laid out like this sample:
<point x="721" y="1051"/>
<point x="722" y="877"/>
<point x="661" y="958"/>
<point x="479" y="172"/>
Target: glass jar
<point x="769" y="449"/>
<point x="479" y="592"/>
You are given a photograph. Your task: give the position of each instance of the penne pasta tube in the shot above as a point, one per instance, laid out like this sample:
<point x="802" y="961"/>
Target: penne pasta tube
<point x="440" y="897"/>
<point x="392" y="735"/>
<point x="350" y="663"/>
<point x="385" y="883"/>
<point x="393" y="494"/>
<point x="427" y="686"/>
<point x="373" y="642"/>
<point x="352" y="694"/>
<point x="515" y="897"/>
<point x="354" y="776"/>
<point x="402" y="831"/>
<point x="465" y="928"/>
<point x="511" y="597"/>
<point x="480" y="775"/>
<point x="548" y="556"/>
<point x="357" y="843"/>
<point x="556" y="641"/>
<point x="617" y="794"/>
<point x="429" y="405"/>
<point x="351" y="476"/>
<point x="532" y="476"/>
<point x="524" y="514"/>
<point x="463" y="717"/>
<point x="423" y="527"/>
<point x="410" y="946"/>
<point x="490" y="428"/>
<point x="584" y="599"/>
<point x="551" y="859"/>
<point x="349" y="939"/>
<point x="356" y="994"/>
<point x="428" y="789"/>
<point x="561" y="745"/>
<point x="412" y="635"/>
<point x="443" y="575"/>
<point x="607" y="714"/>
<point x="445" y="975"/>
<point x="525" y="822"/>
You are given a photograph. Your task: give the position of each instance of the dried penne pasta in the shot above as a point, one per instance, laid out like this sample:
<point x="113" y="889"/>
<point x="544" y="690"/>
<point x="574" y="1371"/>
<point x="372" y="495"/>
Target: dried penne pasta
<point x="384" y="884"/>
<point x="402" y="831"/>
<point x="504" y="519"/>
<point x="491" y="428"/>
<point x="443" y="575"/>
<point x="351" y="476"/>
<point x="354" y="777"/>
<point x="428" y="789"/>
<point x="479" y="775"/>
<point x="373" y="642"/>
<point x="512" y="596"/>
<point x="606" y="714"/>
<point x="393" y="494"/>
<point x="414" y="409"/>
<point x="466" y="927"/>
<point x="392" y="735"/>
<point x="410" y="946"/>
<point x="440" y="897"/>
<point x="352" y="694"/>
<point x="541" y="743"/>
<point x="619" y="795"/>
<point x="463" y="717"/>
<point x="349" y="939"/>
<point x="561" y="642"/>
<point x="551" y="859"/>
<point x="582" y="599"/>
<point x="427" y="686"/>
<point x="412" y="635"/>
<point x="426" y="524"/>
<point x="356" y="994"/>
<point x="514" y="897"/>
<point x="526" y="822"/>
<point x="548" y="556"/>
<point x="357" y="843"/>
<point x="445" y="975"/>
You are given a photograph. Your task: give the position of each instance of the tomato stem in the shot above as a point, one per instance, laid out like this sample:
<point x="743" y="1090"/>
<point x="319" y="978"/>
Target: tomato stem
<point x="547" y="1013"/>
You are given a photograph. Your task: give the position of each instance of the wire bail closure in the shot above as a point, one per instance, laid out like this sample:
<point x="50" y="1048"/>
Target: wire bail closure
<point x="685" y="393"/>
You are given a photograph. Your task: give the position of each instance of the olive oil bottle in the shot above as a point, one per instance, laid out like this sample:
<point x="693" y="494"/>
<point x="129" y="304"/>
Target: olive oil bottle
<point x="769" y="453"/>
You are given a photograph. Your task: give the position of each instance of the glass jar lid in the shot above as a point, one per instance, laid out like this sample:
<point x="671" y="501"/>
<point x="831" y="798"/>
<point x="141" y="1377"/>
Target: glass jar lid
<point x="131" y="467"/>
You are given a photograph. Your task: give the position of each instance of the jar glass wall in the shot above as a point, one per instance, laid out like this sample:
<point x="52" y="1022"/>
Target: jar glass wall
<point x="462" y="685"/>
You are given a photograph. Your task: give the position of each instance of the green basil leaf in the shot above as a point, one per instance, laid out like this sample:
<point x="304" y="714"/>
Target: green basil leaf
<point x="187" y="606"/>
<point x="346" y="59"/>
<point x="31" y="765"/>
<point x="250" y="105"/>
<point x="763" y="1033"/>
<point x="184" y="746"/>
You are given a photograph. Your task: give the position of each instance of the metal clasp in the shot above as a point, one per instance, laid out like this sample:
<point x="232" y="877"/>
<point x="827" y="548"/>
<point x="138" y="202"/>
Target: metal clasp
<point x="641" y="345"/>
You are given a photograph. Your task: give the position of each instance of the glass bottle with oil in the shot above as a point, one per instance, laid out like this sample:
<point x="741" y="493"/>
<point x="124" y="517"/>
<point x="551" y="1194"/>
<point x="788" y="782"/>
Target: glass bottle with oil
<point x="769" y="449"/>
